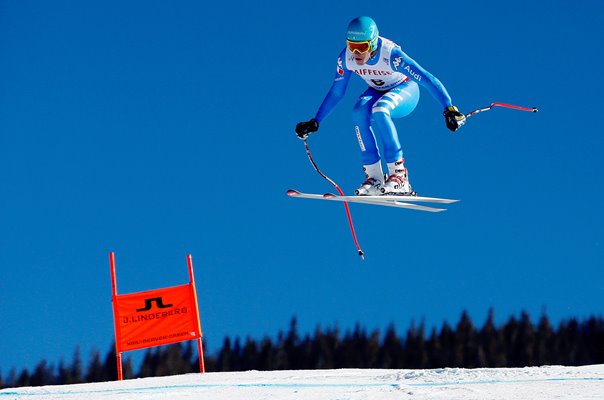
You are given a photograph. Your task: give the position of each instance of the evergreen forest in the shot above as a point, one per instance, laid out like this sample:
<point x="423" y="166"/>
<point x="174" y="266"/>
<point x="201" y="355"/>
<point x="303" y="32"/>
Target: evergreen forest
<point x="519" y="342"/>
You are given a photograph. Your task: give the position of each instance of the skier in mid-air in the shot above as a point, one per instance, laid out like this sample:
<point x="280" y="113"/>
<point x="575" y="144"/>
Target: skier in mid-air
<point x="393" y="92"/>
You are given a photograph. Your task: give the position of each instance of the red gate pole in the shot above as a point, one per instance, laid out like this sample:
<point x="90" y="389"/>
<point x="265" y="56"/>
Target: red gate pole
<point x="202" y="367"/>
<point x="118" y="354"/>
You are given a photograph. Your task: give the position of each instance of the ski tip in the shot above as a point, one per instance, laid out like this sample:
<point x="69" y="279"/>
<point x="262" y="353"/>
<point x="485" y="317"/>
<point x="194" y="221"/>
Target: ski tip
<point x="292" y="192"/>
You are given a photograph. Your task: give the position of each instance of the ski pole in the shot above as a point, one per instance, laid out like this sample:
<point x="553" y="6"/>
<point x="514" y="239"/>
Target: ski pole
<point x="354" y="235"/>
<point x="496" y="104"/>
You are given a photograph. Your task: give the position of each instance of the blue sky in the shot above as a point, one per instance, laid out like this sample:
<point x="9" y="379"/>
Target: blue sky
<point x="156" y="129"/>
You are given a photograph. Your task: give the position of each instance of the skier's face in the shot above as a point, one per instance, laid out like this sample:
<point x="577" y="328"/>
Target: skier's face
<point x="361" y="59"/>
<point x="361" y="51"/>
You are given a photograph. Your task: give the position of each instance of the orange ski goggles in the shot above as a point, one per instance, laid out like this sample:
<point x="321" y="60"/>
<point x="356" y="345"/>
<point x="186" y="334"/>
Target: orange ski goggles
<point x="359" y="47"/>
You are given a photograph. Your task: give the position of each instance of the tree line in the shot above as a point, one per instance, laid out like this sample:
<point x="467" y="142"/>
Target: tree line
<point x="517" y="343"/>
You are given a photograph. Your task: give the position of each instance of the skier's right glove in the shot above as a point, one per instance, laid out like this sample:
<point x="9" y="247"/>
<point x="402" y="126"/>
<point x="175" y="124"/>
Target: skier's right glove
<point x="454" y="118"/>
<point x="303" y="129"/>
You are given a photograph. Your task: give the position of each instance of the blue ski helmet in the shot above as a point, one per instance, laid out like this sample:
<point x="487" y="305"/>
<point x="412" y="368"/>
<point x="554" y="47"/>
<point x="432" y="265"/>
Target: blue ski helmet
<point x="363" y="29"/>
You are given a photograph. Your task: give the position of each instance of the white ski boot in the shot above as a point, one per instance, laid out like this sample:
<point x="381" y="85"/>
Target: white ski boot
<point x="398" y="181"/>
<point x="374" y="181"/>
<point x="371" y="187"/>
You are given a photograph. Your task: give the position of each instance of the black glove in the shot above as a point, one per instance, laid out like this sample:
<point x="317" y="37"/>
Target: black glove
<point x="454" y="118"/>
<point x="303" y="129"/>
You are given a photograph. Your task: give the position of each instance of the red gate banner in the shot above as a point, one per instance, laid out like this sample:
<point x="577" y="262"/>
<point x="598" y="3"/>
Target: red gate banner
<point x="155" y="317"/>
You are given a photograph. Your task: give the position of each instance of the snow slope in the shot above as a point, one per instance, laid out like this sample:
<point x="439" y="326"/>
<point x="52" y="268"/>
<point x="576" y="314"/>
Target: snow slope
<point x="543" y="383"/>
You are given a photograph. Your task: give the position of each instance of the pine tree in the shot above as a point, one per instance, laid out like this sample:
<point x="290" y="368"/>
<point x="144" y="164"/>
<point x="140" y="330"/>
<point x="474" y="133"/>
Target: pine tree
<point x="415" y="349"/>
<point x="350" y="354"/>
<point x="43" y="375"/>
<point x="250" y="355"/>
<point x="187" y="355"/>
<point x="110" y="366"/>
<point x="225" y="361"/>
<point x="568" y="342"/>
<point x="322" y="349"/>
<point x="447" y="341"/>
<point x="509" y="339"/>
<point x="391" y="354"/>
<point x="281" y="361"/>
<point x="11" y="380"/>
<point x="545" y="339"/>
<point x="236" y="355"/>
<point x="333" y="343"/>
<point x="95" y="372"/>
<point x="593" y="337"/>
<point x="491" y="352"/>
<point x="24" y="379"/>
<point x="306" y="345"/>
<point x="127" y="369"/>
<point x="466" y="343"/>
<point x="372" y="350"/>
<point x="266" y="355"/>
<point x="150" y="363"/>
<point x="63" y="374"/>
<point x="172" y="361"/>
<point x="75" y="372"/>
<point x="524" y="351"/>
<point x="291" y="346"/>
<point x="434" y="349"/>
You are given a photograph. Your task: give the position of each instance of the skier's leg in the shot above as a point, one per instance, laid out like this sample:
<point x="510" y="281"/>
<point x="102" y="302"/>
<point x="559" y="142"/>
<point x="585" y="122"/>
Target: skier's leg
<point x="361" y="116"/>
<point x="372" y="165"/>
<point x="396" y="103"/>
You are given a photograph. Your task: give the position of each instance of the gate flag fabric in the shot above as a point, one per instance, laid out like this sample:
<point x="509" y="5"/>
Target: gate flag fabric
<point x="155" y="317"/>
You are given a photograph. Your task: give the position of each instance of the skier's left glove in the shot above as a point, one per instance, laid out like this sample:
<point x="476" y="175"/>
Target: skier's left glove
<point x="303" y="129"/>
<point x="454" y="118"/>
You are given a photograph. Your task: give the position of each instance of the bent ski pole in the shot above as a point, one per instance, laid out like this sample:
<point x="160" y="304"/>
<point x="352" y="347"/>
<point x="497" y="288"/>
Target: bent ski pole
<point x="496" y="104"/>
<point x="354" y="235"/>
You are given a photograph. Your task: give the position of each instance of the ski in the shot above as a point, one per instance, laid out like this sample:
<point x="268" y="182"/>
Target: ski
<point x="391" y="198"/>
<point x="370" y="200"/>
<point x="398" y="204"/>
<point x="390" y="201"/>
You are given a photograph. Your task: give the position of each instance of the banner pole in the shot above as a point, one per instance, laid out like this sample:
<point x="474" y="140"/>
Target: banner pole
<point x="120" y="372"/>
<point x="118" y="353"/>
<point x="202" y="367"/>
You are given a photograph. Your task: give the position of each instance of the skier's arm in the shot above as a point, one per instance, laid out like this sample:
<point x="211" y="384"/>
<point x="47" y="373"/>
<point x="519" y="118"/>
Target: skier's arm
<point x="333" y="97"/>
<point x="401" y="62"/>
<point x="337" y="90"/>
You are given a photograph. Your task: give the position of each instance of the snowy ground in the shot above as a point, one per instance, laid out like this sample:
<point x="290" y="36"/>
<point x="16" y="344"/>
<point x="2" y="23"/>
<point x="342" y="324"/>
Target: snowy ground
<point x="544" y="383"/>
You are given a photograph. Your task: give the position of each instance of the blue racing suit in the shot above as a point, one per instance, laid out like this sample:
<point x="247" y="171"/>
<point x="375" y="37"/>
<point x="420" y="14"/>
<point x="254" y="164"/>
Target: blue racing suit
<point x="393" y="92"/>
